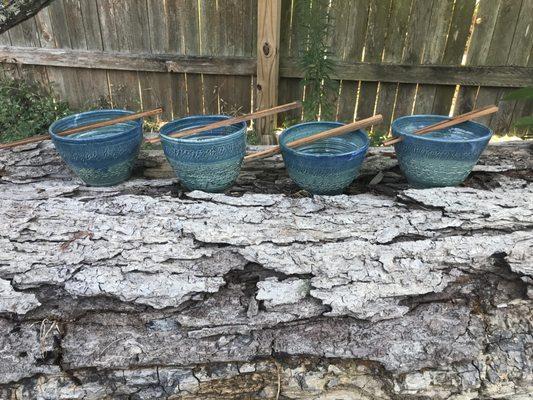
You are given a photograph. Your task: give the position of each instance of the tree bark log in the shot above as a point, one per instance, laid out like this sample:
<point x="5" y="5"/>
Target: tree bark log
<point x="13" y="12"/>
<point x="146" y="291"/>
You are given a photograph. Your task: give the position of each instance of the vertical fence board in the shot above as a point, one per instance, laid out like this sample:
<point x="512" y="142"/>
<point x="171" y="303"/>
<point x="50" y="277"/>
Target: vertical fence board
<point x="268" y="42"/>
<point x="413" y="52"/>
<point x="66" y="77"/>
<point x="119" y="35"/>
<point x="350" y="21"/>
<point x="26" y="34"/>
<point x="525" y="107"/>
<point x="397" y="31"/>
<point x="290" y="89"/>
<point x="183" y="38"/>
<point x="94" y="84"/>
<point x="72" y="30"/>
<point x="212" y="42"/>
<point x="156" y="86"/>
<point x="374" y="44"/>
<point x="434" y="44"/>
<point x="454" y="51"/>
<point x="499" y="51"/>
<point x="394" y="45"/>
<point x="478" y="50"/>
<point x="518" y="55"/>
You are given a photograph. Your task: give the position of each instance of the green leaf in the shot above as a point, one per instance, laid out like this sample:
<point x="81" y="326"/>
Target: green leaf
<point x="524" y="122"/>
<point x="520" y="94"/>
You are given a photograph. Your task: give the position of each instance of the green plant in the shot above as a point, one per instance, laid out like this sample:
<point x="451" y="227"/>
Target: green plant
<point x="376" y="137"/>
<point x="27" y="108"/>
<point x="522" y="94"/>
<point x="315" y="59"/>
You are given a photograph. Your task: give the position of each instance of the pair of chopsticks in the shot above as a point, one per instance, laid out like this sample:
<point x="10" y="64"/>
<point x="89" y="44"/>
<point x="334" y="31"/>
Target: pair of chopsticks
<point x="230" y="121"/>
<point x="480" y="112"/>
<point x="131" y="117"/>
<point x="68" y="132"/>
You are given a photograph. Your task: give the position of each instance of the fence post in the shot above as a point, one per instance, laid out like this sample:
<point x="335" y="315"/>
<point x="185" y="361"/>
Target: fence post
<point x="268" y="33"/>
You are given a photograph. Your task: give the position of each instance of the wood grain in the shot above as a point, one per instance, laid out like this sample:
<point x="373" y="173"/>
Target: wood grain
<point x="268" y="39"/>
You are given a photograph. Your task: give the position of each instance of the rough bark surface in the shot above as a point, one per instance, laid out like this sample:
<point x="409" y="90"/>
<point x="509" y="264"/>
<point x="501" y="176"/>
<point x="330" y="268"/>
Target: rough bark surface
<point x="13" y="12"/>
<point x="146" y="291"/>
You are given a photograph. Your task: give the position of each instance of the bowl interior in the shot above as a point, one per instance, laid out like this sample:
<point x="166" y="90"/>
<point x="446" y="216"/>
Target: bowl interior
<point x="349" y="143"/>
<point x="97" y="134"/>
<point x="465" y="132"/>
<point x="211" y="136"/>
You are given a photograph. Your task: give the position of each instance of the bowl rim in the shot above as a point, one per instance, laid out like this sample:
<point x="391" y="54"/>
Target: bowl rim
<point x="486" y="136"/>
<point x="326" y="155"/>
<point x="212" y="140"/>
<point x="93" y="139"/>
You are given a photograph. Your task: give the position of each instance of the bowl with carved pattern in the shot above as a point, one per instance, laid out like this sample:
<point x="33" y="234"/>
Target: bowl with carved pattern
<point x="103" y="156"/>
<point x="326" y="166"/>
<point x="440" y="158"/>
<point x="210" y="160"/>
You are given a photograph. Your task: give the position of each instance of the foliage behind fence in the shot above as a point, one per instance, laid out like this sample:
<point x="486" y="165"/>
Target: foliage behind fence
<point x="382" y="41"/>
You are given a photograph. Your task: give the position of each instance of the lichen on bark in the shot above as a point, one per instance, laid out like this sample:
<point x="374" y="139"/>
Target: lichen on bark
<point x="144" y="290"/>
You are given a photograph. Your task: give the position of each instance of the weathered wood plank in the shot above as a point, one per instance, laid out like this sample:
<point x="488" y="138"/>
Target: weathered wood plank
<point x="395" y="41"/>
<point x="211" y="42"/>
<point x="26" y="34"/>
<point x="374" y="44"/>
<point x="119" y="34"/>
<point x="482" y="34"/>
<point x="496" y="76"/>
<point x="268" y="39"/>
<point x="290" y="89"/>
<point x="349" y="22"/>
<point x="499" y="49"/>
<point x="454" y="51"/>
<point x="184" y="37"/>
<point x="413" y="52"/>
<point x="517" y="54"/>
<point x="435" y="43"/>
<point x="156" y="88"/>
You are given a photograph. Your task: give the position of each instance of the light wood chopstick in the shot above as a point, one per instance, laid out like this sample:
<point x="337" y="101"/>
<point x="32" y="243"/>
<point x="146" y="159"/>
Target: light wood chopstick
<point x="100" y="124"/>
<point x="376" y="119"/>
<point x="231" y="121"/>
<point x="480" y="112"/>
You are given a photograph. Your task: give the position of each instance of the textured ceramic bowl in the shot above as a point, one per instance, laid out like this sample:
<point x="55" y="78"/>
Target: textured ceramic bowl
<point x="326" y="166"/>
<point x="210" y="160"/>
<point x="103" y="156"/>
<point x="440" y="158"/>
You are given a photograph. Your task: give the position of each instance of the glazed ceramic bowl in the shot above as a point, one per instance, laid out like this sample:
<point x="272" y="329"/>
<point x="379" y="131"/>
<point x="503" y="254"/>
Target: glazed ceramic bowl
<point x="440" y="158"/>
<point x="210" y="160"/>
<point x="326" y="166"/>
<point x="103" y="156"/>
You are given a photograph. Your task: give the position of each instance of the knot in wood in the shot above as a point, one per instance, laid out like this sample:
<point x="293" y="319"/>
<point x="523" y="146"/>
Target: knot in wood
<point x="266" y="49"/>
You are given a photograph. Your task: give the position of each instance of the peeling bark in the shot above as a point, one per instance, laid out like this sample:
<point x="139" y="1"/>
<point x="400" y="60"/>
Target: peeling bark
<point x="144" y="291"/>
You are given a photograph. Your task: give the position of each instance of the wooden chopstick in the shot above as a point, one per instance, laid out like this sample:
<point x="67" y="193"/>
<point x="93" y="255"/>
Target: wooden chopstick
<point x="376" y="119"/>
<point x="100" y="124"/>
<point x="231" y="121"/>
<point x="480" y="112"/>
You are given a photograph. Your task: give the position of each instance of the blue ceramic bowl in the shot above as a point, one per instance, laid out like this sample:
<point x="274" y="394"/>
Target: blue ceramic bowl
<point x="103" y="156"/>
<point x="440" y="158"/>
<point x="210" y="160"/>
<point x="326" y="166"/>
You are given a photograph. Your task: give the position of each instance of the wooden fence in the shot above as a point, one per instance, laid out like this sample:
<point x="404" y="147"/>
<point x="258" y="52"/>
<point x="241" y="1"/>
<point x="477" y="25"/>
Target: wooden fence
<point x="395" y="57"/>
